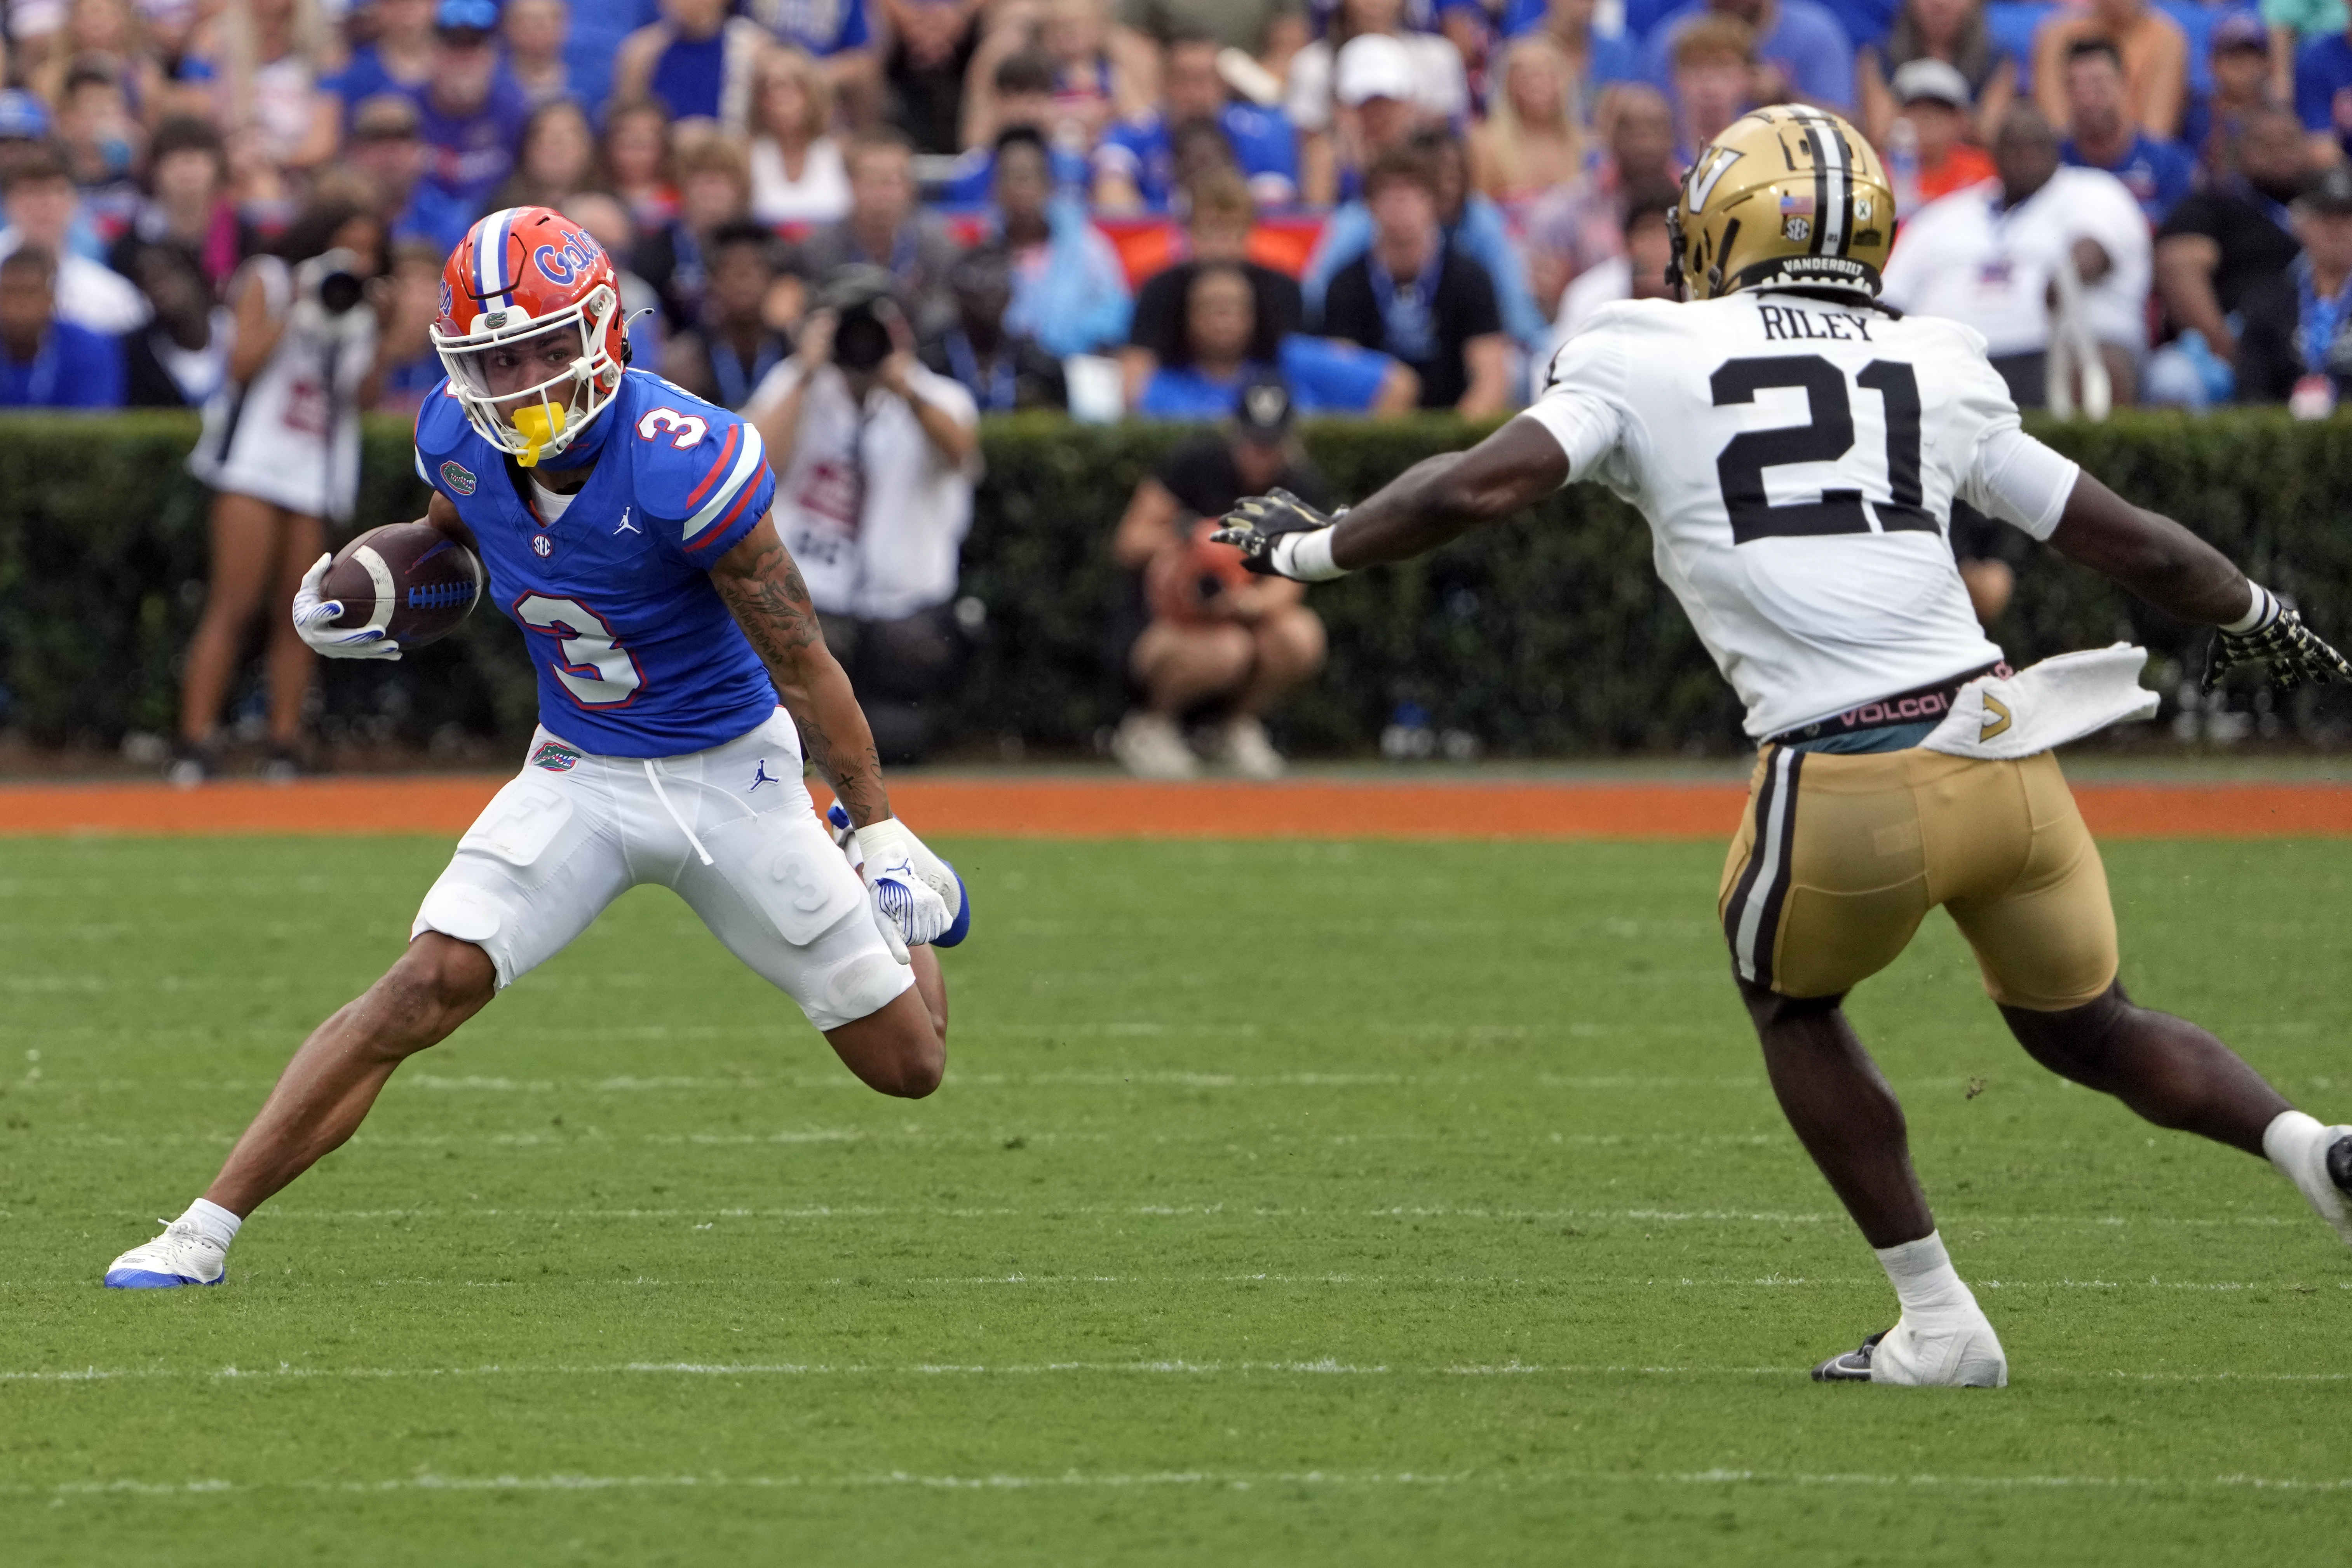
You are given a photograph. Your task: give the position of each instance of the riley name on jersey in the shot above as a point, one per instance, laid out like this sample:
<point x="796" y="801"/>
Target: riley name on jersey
<point x="636" y="655"/>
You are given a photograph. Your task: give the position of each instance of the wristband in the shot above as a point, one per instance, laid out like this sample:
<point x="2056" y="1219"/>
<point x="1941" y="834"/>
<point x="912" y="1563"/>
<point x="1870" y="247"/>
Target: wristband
<point x="2260" y="613"/>
<point x="1306" y="557"/>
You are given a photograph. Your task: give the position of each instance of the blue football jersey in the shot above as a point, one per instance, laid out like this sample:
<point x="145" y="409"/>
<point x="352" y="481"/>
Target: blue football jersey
<point x="638" y="655"/>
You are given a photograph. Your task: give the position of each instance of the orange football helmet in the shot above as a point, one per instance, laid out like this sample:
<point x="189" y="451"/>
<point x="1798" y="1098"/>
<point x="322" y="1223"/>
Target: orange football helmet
<point x="531" y="331"/>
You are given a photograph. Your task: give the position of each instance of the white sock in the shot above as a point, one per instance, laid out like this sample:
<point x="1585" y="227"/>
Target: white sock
<point x="2287" y="1141"/>
<point x="213" y="1223"/>
<point x="1921" y="1272"/>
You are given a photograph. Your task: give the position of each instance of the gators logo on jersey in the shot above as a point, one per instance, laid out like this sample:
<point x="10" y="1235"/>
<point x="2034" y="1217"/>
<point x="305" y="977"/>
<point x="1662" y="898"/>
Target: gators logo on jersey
<point x="457" y="477"/>
<point x="555" y="757"/>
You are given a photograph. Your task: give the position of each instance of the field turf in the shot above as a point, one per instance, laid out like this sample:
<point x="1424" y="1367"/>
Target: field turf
<point x="1352" y="1202"/>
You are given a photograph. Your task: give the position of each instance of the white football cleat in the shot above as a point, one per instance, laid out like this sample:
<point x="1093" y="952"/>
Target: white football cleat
<point x="1961" y="1351"/>
<point x="1242" y="746"/>
<point x="180" y="1255"/>
<point x="1150" y="746"/>
<point x="2318" y="1161"/>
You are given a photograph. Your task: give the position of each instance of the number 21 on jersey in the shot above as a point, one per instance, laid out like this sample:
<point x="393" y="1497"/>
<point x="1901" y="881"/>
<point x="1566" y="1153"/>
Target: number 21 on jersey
<point x="1826" y="437"/>
<point x="596" y="669"/>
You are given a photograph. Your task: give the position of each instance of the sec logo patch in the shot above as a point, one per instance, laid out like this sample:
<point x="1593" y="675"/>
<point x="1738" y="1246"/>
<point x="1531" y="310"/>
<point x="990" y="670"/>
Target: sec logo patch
<point x="457" y="477"/>
<point x="541" y="546"/>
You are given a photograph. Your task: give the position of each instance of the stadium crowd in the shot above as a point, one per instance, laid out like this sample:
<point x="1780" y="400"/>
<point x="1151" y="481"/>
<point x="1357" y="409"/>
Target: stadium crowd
<point x="1181" y="209"/>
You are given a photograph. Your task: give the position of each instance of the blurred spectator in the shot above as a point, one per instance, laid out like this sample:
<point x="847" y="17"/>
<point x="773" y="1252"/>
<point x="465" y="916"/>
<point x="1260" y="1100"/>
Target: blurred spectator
<point x="1135" y="166"/>
<point x="1217" y="638"/>
<point x="1982" y="549"/>
<point x="399" y="60"/>
<point x="24" y="128"/>
<point x="1069" y="292"/>
<point x="2220" y="244"/>
<point x="1217" y="229"/>
<point x="471" y="119"/>
<point x="1928" y="153"/>
<point x="267" y="61"/>
<point x="1470" y="223"/>
<point x="1986" y="257"/>
<point x="1353" y="96"/>
<point x="181" y="357"/>
<point x="1592" y="61"/>
<point x="2298" y="343"/>
<point x="598" y="32"/>
<point x="2295" y="24"/>
<point x="1004" y="371"/>
<point x="2323" y="92"/>
<point x="1952" y="32"/>
<point x="1219" y="357"/>
<point x="731" y="350"/>
<point x="536" y="32"/>
<point x="1580" y="223"/>
<point x="41" y="209"/>
<point x="884" y="229"/>
<point x="1425" y="301"/>
<point x="555" y="161"/>
<point x="714" y="182"/>
<point x="1715" y="67"/>
<point x="1237" y="24"/>
<point x="106" y="36"/>
<point x="875" y="457"/>
<point x="383" y="147"/>
<point x="46" y="361"/>
<point x="1528" y="142"/>
<point x="280" y="452"/>
<point x="836" y="32"/>
<point x="2237" y="51"/>
<point x="2100" y="135"/>
<point x="797" y="175"/>
<point x="697" y="61"/>
<point x="1638" y="273"/>
<point x="186" y="205"/>
<point x="1798" y="50"/>
<point x="414" y="369"/>
<point x="931" y="45"/>
<point x="607" y="222"/>
<point x="1024" y="97"/>
<point x="634" y="159"/>
<point x="103" y="145"/>
<point x="1084" y="91"/>
<point x="2151" y="52"/>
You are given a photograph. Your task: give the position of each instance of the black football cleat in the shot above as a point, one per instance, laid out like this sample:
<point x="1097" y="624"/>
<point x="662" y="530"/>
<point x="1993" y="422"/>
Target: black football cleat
<point x="1854" y="1366"/>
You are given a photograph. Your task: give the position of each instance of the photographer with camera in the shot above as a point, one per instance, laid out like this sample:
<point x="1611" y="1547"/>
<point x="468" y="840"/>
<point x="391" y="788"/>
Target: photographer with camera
<point x="316" y="330"/>
<point x="875" y="457"/>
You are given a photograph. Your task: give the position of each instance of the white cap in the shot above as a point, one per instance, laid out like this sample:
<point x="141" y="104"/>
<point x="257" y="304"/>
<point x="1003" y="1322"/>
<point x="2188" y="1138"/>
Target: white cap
<point x="1927" y="77"/>
<point x="1374" y="64"/>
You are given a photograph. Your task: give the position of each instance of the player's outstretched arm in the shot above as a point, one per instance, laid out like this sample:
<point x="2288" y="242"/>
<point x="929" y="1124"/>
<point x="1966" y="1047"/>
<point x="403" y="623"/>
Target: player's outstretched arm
<point x="1436" y="501"/>
<point x="763" y="591"/>
<point x="2178" y="572"/>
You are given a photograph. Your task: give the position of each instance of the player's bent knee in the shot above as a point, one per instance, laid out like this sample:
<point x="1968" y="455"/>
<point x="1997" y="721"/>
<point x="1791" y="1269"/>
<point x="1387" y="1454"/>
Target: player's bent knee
<point x="895" y="1051"/>
<point x="1767" y="1008"/>
<point x="435" y="986"/>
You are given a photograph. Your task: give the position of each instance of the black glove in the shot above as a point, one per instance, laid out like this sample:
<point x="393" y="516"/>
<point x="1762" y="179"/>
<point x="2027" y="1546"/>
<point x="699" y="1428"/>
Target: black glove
<point x="2288" y="651"/>
<point x="1254" y="525"/>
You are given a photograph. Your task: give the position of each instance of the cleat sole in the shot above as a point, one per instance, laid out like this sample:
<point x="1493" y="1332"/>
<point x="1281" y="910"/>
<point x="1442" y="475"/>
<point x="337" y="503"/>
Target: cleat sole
<point x="148" y="1279"/>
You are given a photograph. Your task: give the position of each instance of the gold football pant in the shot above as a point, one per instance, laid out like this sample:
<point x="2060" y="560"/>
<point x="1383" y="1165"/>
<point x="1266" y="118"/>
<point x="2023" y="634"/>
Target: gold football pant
<point x="1839" y="857"/>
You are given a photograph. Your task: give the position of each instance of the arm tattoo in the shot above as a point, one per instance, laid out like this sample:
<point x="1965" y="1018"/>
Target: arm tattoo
<point x="770" y="602"/>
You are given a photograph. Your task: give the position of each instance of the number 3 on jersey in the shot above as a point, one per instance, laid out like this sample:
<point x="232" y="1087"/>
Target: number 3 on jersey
<point x="1826" y="437"/>
<point x="596" y="669"/>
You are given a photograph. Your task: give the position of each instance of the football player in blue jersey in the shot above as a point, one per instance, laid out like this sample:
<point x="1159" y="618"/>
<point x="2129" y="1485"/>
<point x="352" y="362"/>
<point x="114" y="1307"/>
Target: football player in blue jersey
<point x="625" y="527"/>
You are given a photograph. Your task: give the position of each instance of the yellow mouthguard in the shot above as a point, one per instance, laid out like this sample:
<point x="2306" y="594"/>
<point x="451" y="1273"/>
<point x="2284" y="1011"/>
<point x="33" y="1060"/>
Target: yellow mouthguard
<point x="540" y="424"/>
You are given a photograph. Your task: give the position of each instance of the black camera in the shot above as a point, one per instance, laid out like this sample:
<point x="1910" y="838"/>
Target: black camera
<point x="865" y="302"/>
<point x="334" y="281"/>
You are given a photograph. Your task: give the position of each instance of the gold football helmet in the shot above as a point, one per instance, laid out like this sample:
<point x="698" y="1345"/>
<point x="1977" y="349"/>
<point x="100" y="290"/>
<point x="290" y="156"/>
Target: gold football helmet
<point x="1788" y="196"/>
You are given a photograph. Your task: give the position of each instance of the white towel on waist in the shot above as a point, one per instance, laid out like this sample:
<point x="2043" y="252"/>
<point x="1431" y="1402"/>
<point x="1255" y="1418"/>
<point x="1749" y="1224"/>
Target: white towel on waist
<point x="2044" y="705"/>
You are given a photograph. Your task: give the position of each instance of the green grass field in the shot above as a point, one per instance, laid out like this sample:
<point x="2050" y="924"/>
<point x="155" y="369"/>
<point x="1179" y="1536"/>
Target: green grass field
<point x="1344" y="1203"/>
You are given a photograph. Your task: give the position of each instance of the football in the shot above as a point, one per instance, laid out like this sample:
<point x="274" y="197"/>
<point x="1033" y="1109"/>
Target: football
<point x="408" y="578"/>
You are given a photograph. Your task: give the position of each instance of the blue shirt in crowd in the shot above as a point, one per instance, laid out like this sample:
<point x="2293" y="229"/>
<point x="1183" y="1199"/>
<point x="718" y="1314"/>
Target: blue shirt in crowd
<point x="1265" y="150"/>
<point x="596" y="37"/>
<point x="2158" y="173"/>
<point x="471" y="155"/>
<point x="363" y="79"/>
<point x="1807" y="42"/>
<point x="1325" y="377"/>
<point x="1483" y="235"/>
<point x="972" y="180"/>
<point x="2323" y="86"/>
<point x="73" y="368"/>
<point x="821" y="27"/>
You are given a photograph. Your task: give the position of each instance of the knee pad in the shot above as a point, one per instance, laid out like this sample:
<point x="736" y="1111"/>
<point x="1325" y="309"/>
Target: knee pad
<point x="858" y="987"/>
<point x="467" y="914"/>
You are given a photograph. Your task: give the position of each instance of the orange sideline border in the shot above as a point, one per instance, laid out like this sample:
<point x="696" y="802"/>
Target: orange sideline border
<point x="1099" y="808"/>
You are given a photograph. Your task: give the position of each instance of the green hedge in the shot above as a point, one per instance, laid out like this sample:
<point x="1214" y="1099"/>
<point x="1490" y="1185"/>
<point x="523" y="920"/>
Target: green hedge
<point x="1549" y="637"/>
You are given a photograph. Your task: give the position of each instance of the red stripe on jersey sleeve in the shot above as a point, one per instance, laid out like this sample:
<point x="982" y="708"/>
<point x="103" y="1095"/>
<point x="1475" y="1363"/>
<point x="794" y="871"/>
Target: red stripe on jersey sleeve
<point x="719" y="529"/>
<point x="726" y="460"/>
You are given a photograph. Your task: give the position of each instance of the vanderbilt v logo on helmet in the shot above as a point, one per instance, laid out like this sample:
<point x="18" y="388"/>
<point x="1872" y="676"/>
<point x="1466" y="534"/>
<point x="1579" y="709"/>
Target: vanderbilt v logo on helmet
<point x="1789" y="195"/>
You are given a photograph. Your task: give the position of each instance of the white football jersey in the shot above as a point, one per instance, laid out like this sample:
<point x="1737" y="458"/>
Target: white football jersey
<point x="1797" y="461"/>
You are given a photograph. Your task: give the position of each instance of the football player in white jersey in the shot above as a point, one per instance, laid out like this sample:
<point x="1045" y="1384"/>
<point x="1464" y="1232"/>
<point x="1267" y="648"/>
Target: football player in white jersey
<point x="1797" y="449"/>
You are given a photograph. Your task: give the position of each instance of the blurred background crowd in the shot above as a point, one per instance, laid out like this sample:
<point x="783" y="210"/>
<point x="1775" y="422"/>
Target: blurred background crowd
<point x="1181" y="209"/>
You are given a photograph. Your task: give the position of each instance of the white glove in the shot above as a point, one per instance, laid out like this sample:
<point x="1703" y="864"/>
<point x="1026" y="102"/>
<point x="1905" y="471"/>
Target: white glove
<point x="312" y="616"/>
<point x="911" y="885"/>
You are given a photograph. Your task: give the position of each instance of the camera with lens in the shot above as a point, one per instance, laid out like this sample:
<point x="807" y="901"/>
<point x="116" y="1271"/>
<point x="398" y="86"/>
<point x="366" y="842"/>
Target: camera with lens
<point x="327" y="289"/>
<point x="865" y="302"/>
